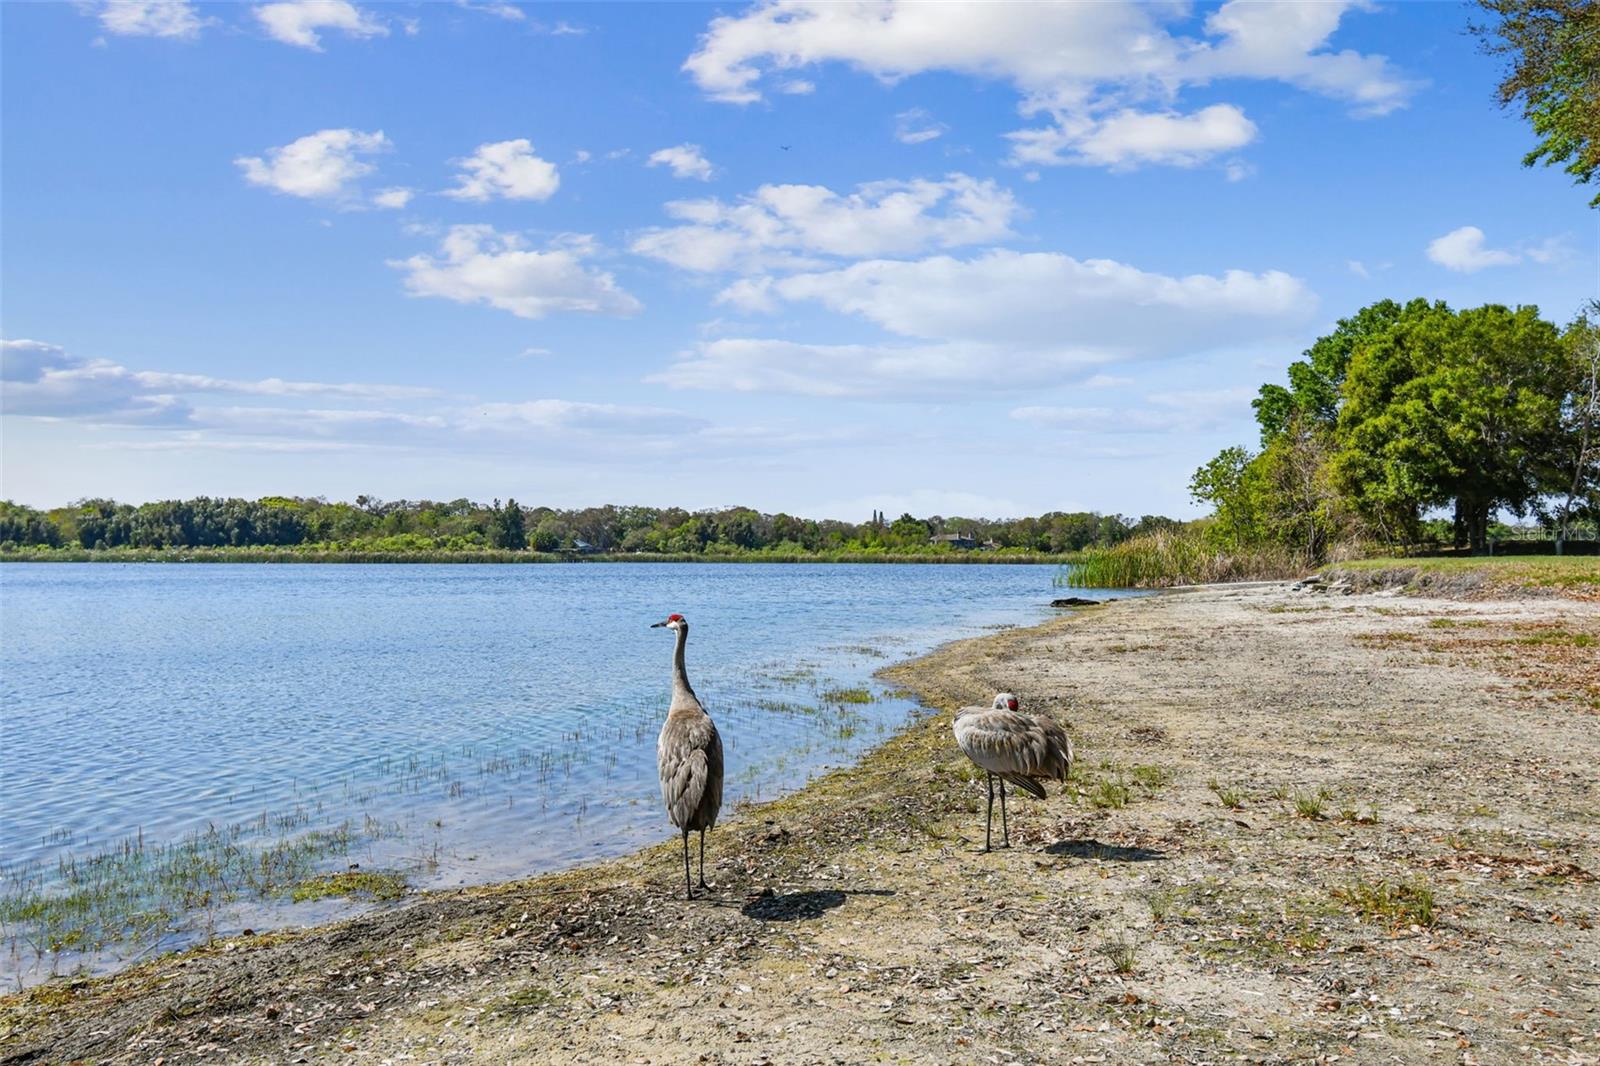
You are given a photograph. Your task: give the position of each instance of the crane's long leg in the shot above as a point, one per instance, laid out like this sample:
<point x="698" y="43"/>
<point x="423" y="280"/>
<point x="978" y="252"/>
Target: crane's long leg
<point x="688" y="887"/>
<point x="1004" y="828"/>
<point x="988" y="819"/>
<point x="703" y="859"/>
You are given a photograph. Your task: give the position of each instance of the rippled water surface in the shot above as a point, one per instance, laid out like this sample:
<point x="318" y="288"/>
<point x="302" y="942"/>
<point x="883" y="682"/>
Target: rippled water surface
<point x="461" y="723"/>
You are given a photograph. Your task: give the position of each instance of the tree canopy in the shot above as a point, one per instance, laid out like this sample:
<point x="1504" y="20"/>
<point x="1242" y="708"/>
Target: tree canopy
<point x="1554" y="51"/>
<point x="1447" y="407"/>
<point x="1408" y="408"/>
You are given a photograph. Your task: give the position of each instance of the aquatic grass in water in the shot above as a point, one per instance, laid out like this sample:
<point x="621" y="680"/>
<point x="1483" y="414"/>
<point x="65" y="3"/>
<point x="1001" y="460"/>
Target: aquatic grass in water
<point x="374" y="885"/>
<point x="139" y="891"/>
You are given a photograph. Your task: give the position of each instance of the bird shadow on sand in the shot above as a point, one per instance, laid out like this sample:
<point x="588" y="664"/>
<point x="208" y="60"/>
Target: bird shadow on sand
<point x="803" y="906"/>
<point x="1093" y="849"/>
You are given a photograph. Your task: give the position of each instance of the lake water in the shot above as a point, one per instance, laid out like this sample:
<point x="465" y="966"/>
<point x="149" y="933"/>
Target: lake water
<point x="461" y="723"/>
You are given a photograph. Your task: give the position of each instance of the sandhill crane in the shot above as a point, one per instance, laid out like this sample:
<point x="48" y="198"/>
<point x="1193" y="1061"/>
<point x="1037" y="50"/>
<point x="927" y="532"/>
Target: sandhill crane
<point x="1014" y="747"/>
<point x="689" y="758"/>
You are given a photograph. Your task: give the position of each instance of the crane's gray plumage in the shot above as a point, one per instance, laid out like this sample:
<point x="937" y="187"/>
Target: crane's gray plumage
<point x="1022" y="749"/>
<point x="689" y="758"/>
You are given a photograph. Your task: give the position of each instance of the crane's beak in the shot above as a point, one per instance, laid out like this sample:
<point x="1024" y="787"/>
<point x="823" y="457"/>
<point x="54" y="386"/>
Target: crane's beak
<point x="658" y="625"/>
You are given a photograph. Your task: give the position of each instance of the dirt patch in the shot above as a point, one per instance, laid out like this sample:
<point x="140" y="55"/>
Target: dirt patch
<point x="1559" y="660"/>
<point x="1292" y="835"/>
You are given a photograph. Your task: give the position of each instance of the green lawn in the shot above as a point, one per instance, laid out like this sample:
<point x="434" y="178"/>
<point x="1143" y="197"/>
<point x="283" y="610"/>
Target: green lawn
<point x="1529" y="571"/>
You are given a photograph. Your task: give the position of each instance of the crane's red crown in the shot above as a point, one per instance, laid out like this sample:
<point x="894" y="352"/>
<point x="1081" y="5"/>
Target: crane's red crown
<point x="674" y="617"/>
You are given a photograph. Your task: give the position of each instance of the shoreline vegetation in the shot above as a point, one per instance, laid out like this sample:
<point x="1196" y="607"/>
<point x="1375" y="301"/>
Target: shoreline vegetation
<point x="493" y="556"/>
<point x="1102" y="551"/>
<point x="1184" y="556"/>
<point x="284" y="528"/>
<point x="1198" y="890"/>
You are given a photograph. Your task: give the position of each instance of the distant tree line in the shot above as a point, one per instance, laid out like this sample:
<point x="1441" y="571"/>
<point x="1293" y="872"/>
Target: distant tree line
<point x="1407" y="412"/>
<point x="370" y="524"/>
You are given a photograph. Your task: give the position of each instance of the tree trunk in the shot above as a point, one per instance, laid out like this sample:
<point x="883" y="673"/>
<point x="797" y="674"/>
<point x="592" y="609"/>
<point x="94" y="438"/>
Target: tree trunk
<point x="1477" y="520"/>
<point x="1458" y="527"/>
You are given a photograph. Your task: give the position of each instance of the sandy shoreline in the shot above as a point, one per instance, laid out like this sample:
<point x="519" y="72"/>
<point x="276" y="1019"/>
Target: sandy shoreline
<point x="1381" y="750"/>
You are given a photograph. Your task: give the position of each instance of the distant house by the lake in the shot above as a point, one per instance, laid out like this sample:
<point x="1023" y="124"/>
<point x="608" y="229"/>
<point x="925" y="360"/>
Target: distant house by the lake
<point x="963" y="541"/>
<point x="583" y="547"/>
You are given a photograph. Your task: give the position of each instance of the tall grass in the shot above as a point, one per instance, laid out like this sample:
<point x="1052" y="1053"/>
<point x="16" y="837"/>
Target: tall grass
<point x="1177" y="557"/>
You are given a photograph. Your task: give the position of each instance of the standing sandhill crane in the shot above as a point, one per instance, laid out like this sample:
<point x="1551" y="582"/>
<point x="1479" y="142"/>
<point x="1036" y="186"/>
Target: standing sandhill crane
<point x="1014" y="747"/>
<point x="689" y="759"/>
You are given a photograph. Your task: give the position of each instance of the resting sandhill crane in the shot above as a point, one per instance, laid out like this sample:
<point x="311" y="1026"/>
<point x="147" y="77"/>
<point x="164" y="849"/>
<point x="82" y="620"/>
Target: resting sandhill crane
<point x="689" y="759"/>
<point x="1014" y="747"/>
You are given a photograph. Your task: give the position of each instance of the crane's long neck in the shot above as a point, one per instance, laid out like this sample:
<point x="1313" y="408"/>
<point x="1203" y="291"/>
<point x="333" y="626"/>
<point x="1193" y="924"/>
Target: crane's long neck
<point x="682" y="692"/>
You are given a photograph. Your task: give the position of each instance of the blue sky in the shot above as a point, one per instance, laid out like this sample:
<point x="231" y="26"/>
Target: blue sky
<point x="995" y="260"/>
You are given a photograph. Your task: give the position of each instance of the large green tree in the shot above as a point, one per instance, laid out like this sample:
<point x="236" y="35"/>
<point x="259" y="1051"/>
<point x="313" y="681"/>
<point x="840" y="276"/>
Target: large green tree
<point x="1316" y="378"/>
<point x="1406" y="408"/>
<point x="1574" y="467"/>
<point x="1448" y="407"/>
<point x="1554" y="51"/>
<point x="508" y="526"/>
<point x="1231" y="485"/>
<point x="1284" y="494"/>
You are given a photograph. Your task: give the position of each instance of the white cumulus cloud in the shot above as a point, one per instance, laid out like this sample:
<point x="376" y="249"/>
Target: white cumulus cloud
<point x="393" y="198"/>
<point x="1463" y="250"/>
<point x="27" y="362"/>
<point x="325" y="165"/>
<point x="45" y="381"/>
<point x="177" y="411"/>
<point x="788" y="226"/>
<point x="297" y="22"/>
<point x="1091" y="68"/>
<point x="1287" y="41"/>
<point x="1129" y="138"/>
<point x="151" y="18"/>
<point x="685" y="160"/>
<point x="1001" y="321"/>
<point x="476" y="264"/>
<point x="509" y="12"/>
<point x="1005" y="296"/>
<point x="1036" y="45"/>
<point x="506" y="169"/>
